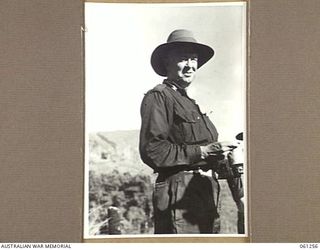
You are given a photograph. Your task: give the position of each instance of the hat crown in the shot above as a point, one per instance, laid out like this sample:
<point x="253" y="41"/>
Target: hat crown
<point x="181" y="36"/>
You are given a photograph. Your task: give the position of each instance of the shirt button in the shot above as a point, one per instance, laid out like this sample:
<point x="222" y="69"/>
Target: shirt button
<point x="198" y="118"/>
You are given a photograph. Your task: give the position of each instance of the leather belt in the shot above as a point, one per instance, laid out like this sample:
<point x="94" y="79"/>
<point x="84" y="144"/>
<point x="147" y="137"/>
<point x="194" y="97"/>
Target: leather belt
<point x="199" y="171"/>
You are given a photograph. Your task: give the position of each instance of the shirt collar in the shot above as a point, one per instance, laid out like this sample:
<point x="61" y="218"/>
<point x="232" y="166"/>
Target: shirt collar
<point x="175" y="86"/>
<point x="171" y="84"/>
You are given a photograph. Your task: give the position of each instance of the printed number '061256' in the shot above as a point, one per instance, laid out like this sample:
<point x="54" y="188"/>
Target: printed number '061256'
<point x="308" y="245"/>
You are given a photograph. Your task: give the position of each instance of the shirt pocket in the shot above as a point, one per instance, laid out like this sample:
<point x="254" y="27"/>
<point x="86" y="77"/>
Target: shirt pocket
<point x="191" y="127"/>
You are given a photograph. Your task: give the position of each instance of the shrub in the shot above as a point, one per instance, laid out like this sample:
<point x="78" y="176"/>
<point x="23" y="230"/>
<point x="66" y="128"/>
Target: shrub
<point x="130" y="194"/>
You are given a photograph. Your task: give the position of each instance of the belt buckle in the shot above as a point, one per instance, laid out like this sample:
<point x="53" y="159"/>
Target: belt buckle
<point x="196" y="171"/>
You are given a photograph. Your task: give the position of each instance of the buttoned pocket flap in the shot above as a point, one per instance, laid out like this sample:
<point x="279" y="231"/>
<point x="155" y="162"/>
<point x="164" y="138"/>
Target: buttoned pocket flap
<point x="187" y="116"/>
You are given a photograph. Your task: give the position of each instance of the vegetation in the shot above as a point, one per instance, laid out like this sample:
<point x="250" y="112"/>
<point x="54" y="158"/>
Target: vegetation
<point x="120" y="188"/>
<point x="130" y="194"/>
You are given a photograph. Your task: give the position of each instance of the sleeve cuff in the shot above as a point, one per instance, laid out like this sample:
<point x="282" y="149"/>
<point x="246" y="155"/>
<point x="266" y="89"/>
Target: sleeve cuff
<point x="196" y="156"/>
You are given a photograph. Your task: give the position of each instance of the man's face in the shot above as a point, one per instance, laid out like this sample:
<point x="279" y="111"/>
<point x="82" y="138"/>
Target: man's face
<point x="182" y="66"/>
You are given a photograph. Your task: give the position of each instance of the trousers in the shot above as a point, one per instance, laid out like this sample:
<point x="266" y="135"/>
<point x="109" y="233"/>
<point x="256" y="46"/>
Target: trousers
<point x="186" y="203"/>
<point x="236" y="188"/>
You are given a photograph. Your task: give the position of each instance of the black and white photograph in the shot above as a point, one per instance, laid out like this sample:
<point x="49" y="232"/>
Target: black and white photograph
<point x="165" y="120"/>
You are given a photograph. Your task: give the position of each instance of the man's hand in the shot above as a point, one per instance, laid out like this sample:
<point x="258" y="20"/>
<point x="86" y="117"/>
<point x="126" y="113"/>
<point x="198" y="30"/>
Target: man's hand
<point x="217" y="148"/>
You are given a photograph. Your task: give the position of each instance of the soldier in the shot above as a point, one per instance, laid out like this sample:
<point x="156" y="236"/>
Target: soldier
<point x="180" y="143"/>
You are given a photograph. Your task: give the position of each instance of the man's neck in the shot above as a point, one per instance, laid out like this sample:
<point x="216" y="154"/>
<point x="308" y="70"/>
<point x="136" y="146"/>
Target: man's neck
<point x="176" y="87"/>
<point x="178" y="83"/>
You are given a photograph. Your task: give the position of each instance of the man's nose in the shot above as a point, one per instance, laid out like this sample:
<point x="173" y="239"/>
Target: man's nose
<point x="189" y="61"/>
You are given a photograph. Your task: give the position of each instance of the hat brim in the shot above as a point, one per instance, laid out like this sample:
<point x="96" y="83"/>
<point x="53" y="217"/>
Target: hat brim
<point x="204" y="52"/>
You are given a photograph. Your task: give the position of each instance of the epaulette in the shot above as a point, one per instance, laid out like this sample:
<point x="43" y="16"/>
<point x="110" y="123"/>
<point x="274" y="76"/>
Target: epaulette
<point x="158" y="88"/>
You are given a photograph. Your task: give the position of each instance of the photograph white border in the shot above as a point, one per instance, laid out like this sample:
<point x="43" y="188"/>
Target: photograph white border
<point x="86" y="153"/>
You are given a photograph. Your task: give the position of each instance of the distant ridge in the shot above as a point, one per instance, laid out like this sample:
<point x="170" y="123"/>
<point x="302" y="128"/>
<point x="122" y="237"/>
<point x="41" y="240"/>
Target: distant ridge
<point x="117" y="150"/>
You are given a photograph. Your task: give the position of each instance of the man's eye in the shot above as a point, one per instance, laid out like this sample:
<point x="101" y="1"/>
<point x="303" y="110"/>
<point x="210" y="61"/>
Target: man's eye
<point x="187" y="58"/>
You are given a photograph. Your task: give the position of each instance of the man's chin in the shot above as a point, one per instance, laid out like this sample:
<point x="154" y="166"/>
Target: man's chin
<point x="187" y="80"/>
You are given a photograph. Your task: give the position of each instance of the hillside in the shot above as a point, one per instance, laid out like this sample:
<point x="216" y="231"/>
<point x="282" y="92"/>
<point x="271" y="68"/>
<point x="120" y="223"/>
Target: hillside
<point x="119" y="178"/>
<point x="116" y="150"/>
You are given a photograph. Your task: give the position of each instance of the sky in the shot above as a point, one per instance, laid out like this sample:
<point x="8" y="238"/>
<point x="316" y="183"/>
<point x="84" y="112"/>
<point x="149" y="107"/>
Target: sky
<point x="120" y="39"/>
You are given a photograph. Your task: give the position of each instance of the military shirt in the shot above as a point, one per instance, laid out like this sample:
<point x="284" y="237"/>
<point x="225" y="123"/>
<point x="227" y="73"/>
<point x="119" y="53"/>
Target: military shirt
<point x="172" y="129"/>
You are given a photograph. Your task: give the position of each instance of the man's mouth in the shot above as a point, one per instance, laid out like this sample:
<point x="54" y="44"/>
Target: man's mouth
<point x="188" y="74"/>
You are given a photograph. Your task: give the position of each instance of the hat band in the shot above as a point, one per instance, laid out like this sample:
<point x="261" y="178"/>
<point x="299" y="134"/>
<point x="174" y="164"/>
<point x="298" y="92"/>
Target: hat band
<point x="183" y="39"/>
